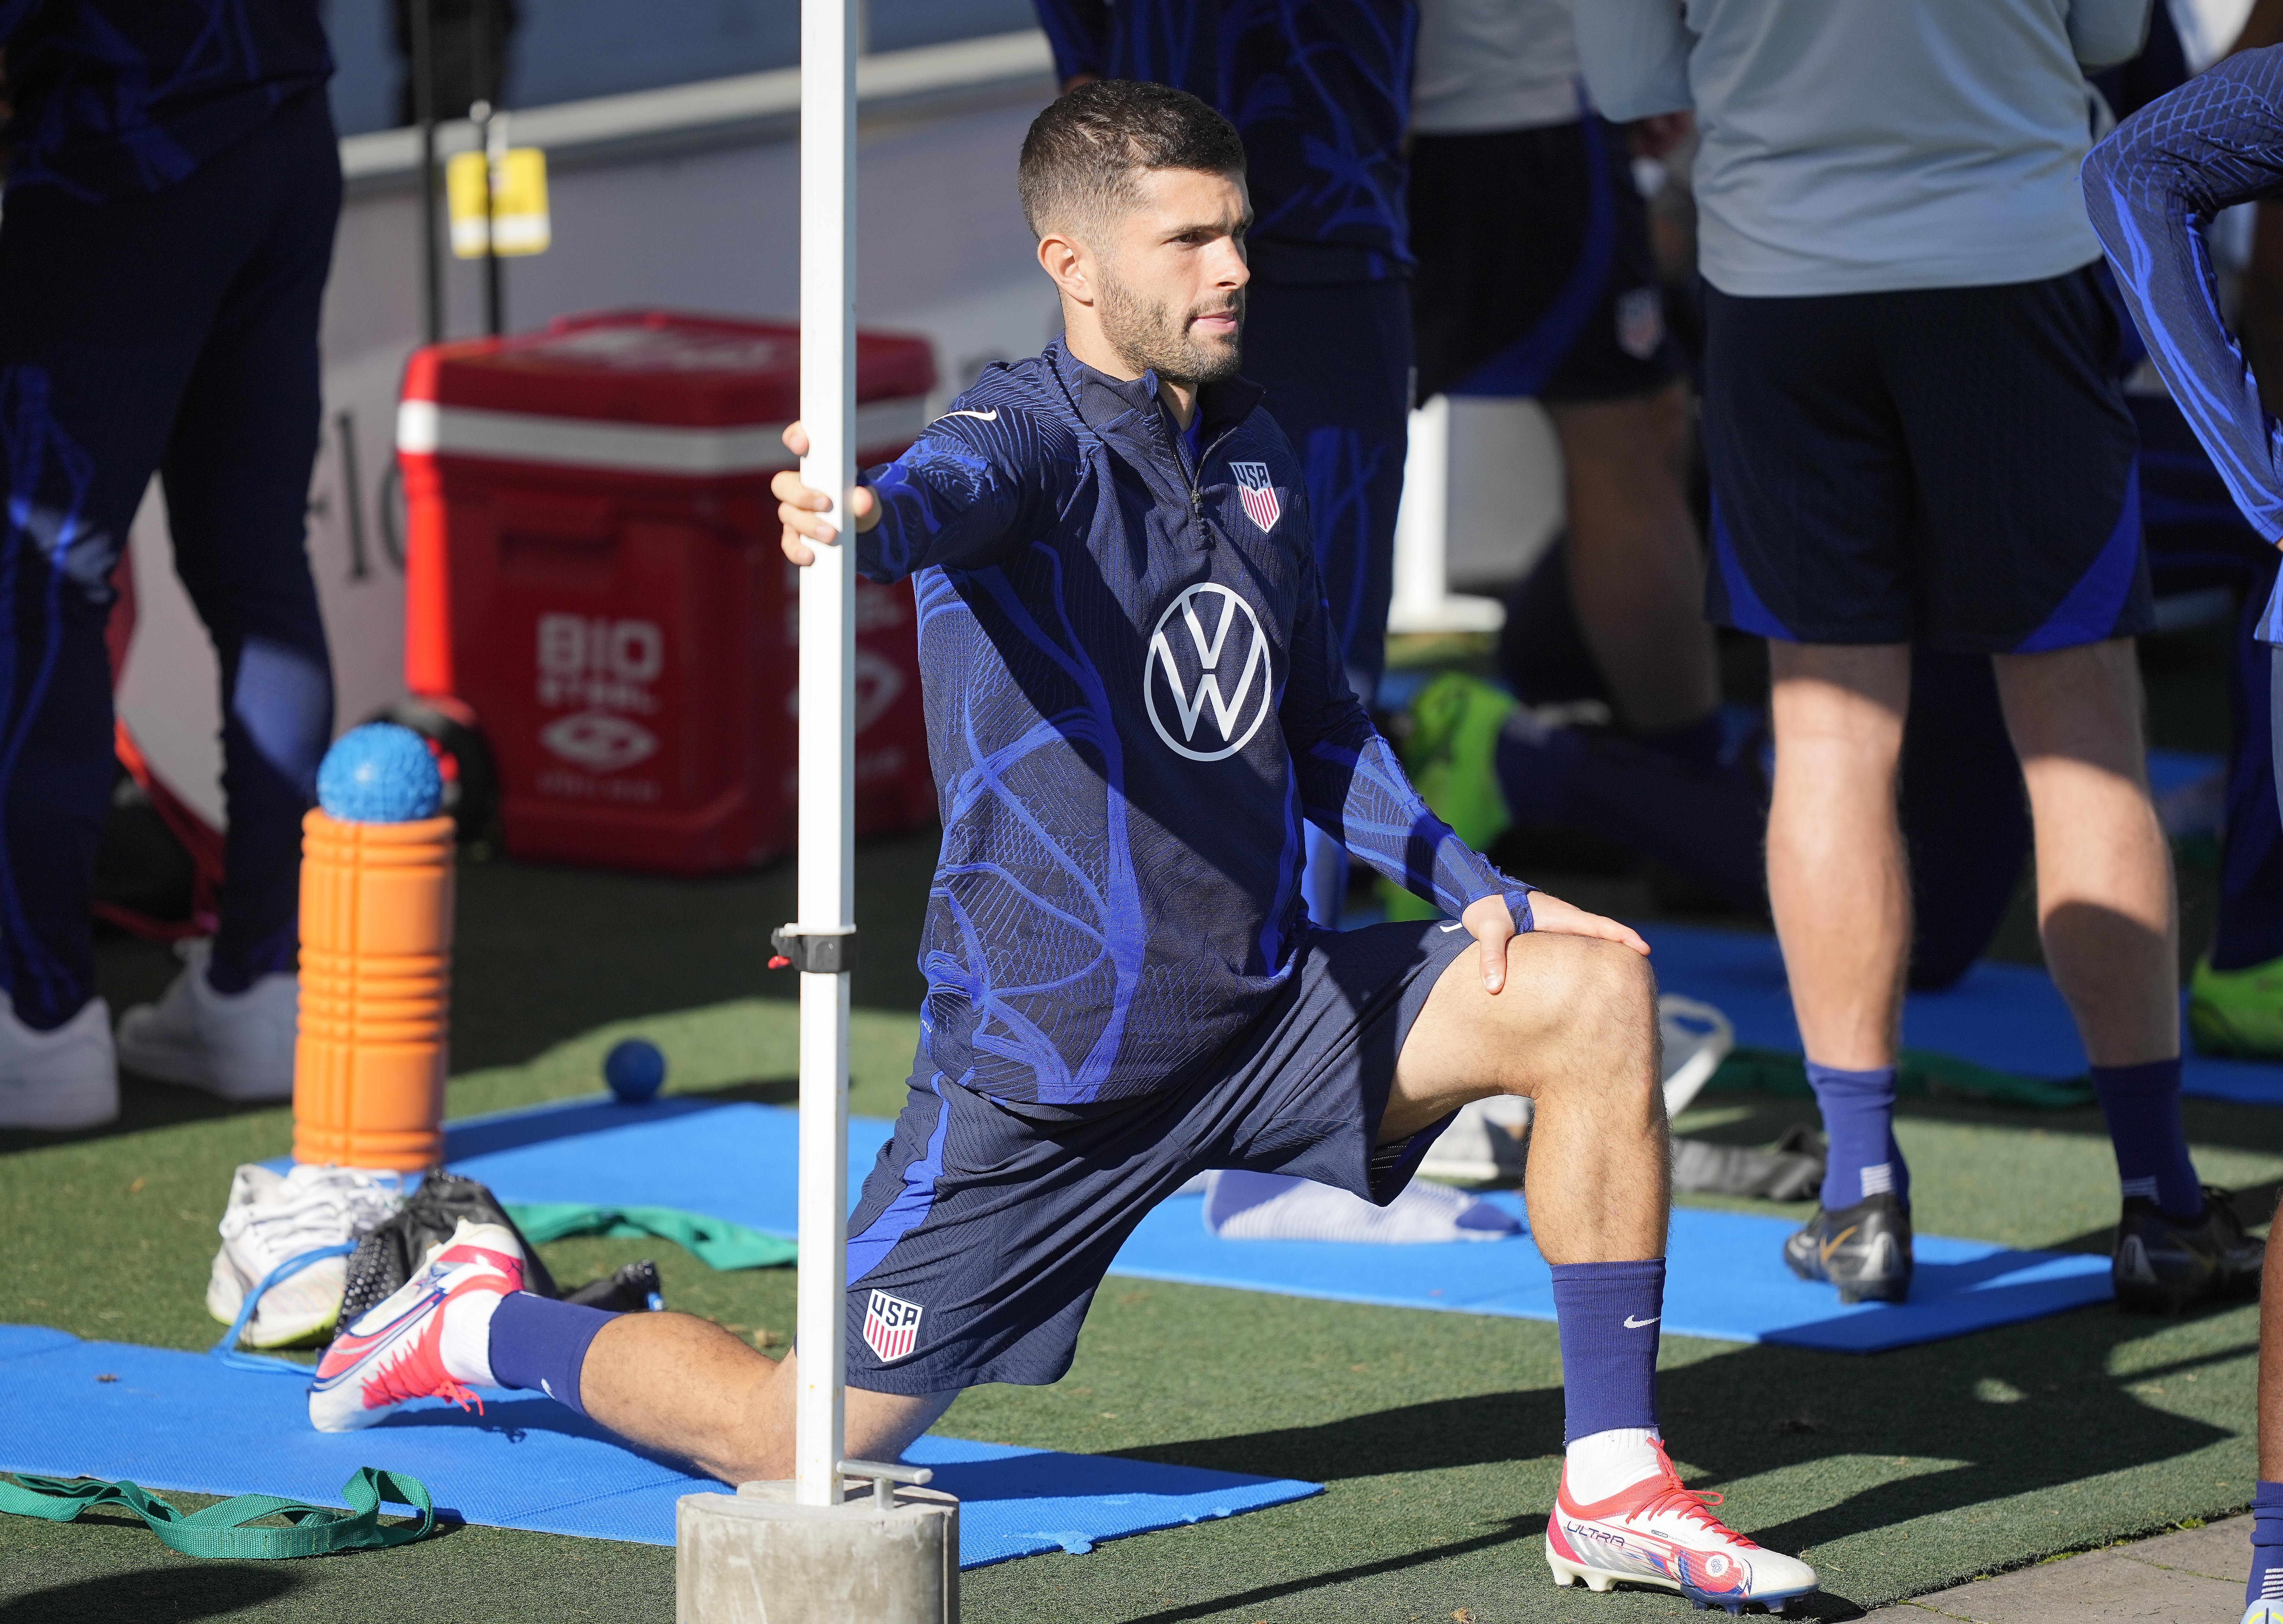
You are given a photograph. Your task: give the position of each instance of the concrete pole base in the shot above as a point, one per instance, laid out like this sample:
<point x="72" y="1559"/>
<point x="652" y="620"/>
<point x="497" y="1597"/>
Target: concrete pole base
<point x="758" y="1557"/>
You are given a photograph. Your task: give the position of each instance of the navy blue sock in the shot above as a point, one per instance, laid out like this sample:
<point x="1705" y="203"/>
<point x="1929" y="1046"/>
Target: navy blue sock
<point x="1608" y="1315"/>
<point x="1859" y="1119"/>
<point x="1694" y="745"/>
<point x="539" y="1343"/>
<point x="2266" y="1582"/>
<point x="2142" y="1105"/>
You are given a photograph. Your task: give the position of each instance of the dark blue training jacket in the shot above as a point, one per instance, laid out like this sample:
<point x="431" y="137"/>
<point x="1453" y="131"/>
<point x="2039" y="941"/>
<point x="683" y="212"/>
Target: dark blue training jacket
<point x="117" y="97"/>
<point x="1133" y="698"/>
<point x="1319" y="89"/>
<point x="2152" y="188"/>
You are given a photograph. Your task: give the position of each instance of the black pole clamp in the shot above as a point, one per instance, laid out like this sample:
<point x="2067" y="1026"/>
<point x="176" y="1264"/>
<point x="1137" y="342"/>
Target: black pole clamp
<point x="815" y="952"/>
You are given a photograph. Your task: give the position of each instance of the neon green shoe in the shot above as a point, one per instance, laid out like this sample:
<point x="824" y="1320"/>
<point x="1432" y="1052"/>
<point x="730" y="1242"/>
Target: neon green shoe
<point x="2237" y="1011"/>
<point x="1451" y="752"/>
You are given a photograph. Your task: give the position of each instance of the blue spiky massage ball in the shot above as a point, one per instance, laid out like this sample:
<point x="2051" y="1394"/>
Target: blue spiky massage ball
<point x="634" y="1069"/>
<point x="379" y="773"/>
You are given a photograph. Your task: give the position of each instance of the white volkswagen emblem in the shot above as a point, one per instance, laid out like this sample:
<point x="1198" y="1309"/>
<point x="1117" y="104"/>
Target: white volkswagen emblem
<point x="1225" y="672"/>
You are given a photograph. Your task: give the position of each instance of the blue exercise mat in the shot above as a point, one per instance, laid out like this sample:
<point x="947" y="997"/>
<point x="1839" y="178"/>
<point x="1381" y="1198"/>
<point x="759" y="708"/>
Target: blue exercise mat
<point x="168" y="1419"/>
<point x="2008" y="1017"/>
<point x="737" y="1161"/>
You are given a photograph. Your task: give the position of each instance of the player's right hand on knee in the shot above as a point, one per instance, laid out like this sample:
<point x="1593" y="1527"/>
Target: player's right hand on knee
<point x="798" y="505"/>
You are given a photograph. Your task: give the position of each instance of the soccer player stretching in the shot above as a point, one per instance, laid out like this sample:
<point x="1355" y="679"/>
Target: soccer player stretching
<point x="1134" y="702"/>
<point x="2151" y="189"/>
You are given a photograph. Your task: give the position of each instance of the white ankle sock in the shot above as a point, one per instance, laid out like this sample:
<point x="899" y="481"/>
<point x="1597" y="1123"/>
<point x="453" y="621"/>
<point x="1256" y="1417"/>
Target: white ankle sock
<point x="467" y="1342"/>
<point x="1602" y="1463"/>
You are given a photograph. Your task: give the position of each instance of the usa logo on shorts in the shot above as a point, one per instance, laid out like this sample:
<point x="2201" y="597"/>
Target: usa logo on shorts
<point x="1258" y="494"/>
<point x="892" y="1327"/>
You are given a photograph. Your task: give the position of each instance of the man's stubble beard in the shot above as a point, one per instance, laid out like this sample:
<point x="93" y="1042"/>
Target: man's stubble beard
<point x="1149" y="338"/>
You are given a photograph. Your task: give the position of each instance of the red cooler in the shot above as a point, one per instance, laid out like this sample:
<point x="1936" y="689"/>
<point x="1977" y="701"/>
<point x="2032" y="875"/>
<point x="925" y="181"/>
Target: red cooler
<point x="592" y="569"/>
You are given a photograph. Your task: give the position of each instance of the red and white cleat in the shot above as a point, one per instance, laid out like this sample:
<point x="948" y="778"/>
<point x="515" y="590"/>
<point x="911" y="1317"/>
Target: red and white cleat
<point x="396" y="1350"/>
<point x="1659" y="1533"/>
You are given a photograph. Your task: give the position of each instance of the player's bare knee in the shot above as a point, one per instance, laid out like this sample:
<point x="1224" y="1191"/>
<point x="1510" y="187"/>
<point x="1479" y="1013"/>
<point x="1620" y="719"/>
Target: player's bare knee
<point x="1604" y="1033"/>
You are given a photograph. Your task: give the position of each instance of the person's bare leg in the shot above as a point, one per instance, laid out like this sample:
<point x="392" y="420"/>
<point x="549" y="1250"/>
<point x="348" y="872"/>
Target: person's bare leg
<point x="2105" y="905"/>
<point x="1838" y="882"/>
<point x="685" y="1387"/>
<point x="1636" y="572"/>
<point x="1575" y="1029"/>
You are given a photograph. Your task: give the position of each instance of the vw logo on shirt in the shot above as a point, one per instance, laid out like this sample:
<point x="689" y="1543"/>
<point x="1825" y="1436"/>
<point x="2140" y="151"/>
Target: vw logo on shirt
<point x="1206" y="681"/>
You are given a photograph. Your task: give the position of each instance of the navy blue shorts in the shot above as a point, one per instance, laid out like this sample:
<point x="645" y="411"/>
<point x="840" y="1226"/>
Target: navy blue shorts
<point x="1335" y="360"/>
<point x="985" y="1227"/>
<point x="1950" y="465"/>
<point x="1535" y="275"/>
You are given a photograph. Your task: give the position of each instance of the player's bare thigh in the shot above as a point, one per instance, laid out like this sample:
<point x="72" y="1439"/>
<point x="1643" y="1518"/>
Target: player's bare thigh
<point x="1576" y="1013"/>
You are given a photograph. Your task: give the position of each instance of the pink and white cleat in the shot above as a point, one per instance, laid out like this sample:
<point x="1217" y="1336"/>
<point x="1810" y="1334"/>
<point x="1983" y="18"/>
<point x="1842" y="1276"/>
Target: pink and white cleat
<point x="1659" y="1533"/>
<point x="403" y="1348"/>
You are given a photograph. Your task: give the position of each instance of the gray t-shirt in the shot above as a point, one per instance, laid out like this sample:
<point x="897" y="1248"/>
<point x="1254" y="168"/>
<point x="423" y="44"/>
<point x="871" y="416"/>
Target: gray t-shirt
<point x="1852" y="146"/>
<point x="1494" y="65"/>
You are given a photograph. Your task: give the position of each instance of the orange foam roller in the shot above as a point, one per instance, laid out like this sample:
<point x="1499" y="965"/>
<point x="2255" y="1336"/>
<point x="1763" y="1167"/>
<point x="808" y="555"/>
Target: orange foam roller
<point x="371" y="1056"/>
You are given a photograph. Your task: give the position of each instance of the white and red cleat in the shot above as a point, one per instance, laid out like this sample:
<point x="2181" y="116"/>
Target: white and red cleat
<point x="401" y="1349"/>
<point x="1659" y="1533"/>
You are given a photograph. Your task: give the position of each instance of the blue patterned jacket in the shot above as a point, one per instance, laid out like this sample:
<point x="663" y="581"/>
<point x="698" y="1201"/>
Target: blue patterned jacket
<point x="112" y="98"/>
<point x="1134" y="700"/>
<point x="2152" y="189"/>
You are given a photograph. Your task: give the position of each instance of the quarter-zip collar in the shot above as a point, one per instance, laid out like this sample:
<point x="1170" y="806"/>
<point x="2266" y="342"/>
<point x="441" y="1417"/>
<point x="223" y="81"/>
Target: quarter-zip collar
<point x="1120" y="409"/>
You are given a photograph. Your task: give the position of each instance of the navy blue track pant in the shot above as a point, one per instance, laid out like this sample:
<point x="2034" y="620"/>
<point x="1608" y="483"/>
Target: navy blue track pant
<point x="174" y="332"/>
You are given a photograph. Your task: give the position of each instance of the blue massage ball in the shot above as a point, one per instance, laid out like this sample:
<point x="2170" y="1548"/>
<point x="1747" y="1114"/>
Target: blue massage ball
<point x="379" y="773"/>
<point x="634" y="1069"/>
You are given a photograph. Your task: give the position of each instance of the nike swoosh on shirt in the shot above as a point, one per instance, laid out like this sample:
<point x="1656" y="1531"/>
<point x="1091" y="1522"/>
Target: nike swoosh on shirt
<point x="1635" y="1324"/>
<point x="990" y="416"/>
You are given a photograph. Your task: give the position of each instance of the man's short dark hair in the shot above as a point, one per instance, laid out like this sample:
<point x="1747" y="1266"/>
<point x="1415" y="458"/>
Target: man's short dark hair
<point x="1082" y="158"/>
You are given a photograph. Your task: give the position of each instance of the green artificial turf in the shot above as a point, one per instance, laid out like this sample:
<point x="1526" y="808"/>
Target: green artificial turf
<point x="1436" y="1435"/>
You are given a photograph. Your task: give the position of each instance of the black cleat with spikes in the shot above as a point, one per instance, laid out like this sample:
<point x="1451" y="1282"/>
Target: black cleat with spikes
<point x="2161" y="1266"/>
<point x="1864" y="1250"/>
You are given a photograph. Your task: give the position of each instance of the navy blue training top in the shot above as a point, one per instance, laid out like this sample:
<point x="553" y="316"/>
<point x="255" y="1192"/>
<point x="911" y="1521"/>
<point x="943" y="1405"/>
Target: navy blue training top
<point x="2152" y="188"/>
<point x="1133" y="699"/>
<point x="117" y="97"/>
<point x="1321" y="91"/>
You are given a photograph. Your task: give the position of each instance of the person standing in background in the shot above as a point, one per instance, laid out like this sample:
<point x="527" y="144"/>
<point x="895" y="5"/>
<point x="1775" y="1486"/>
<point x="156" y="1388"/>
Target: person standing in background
<point x="173" y="186"/>
<point x="1536" y="279"/>
<point x="1320" y="93"/>
<point x="1914" y="431"/>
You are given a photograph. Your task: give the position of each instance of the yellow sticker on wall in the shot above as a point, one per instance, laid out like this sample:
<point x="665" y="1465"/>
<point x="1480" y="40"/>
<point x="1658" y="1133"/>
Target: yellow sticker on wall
<point x="519" y="216"/>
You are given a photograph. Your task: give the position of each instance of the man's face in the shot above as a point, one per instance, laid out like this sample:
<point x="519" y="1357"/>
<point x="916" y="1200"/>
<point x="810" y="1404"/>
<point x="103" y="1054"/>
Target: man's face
<point x="1173" y="282"/>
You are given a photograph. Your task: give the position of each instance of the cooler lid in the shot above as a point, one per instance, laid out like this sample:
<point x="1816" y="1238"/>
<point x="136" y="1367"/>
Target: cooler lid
<point x="655" y="367"/>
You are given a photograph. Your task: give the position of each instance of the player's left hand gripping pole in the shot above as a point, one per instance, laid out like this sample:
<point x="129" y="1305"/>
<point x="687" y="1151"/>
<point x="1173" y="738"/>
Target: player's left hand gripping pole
<point x="827" y="876"/>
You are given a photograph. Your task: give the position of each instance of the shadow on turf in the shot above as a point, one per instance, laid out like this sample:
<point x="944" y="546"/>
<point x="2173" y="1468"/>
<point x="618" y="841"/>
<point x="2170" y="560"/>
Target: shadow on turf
<point x="2007" y="1412"/>
<point x="145" y="1105"/>
<point x="178" y="1595"/>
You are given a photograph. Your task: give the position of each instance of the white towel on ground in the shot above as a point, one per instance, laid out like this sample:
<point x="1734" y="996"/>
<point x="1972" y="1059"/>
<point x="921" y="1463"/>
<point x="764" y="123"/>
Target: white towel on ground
<point x="1275" y="1206"/>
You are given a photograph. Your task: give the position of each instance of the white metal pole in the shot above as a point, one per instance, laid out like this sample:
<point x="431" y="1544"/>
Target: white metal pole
<point x="827" y="876"/>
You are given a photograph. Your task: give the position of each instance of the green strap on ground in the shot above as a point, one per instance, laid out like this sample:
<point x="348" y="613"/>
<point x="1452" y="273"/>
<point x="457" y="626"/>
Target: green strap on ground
<point x="1918" y="1072"/>
<point x="221" y="1530"/>
<point x="715" y="1242"/>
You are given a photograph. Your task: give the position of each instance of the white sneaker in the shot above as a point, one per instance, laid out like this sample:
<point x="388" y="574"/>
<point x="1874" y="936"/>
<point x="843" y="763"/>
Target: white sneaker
<point x="273" y="1216"/>
<point x="239" y="1046"/>
<point x="61" y="1079"/>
